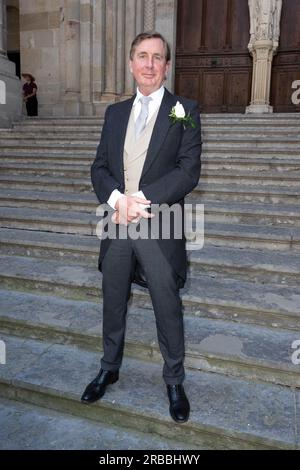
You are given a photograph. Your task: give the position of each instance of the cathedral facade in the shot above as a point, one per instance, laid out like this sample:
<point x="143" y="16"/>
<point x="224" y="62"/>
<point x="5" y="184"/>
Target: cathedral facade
<point x="230" y="55"/>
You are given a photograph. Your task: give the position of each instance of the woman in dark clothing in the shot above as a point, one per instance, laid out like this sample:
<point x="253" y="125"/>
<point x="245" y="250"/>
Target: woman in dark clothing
<point x="29" y="94"/>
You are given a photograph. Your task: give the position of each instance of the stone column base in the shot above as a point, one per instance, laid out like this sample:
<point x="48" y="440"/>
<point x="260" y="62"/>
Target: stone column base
<point x="259" y="109"/>
<point x="11" y="110"/>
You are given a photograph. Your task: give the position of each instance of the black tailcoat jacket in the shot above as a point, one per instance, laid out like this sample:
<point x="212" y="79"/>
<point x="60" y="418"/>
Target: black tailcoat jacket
<point x="171" y="169"/>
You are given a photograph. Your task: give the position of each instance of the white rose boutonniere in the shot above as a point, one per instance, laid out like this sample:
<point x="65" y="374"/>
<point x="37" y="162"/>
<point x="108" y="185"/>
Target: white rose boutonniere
<point x="178" y="114"/>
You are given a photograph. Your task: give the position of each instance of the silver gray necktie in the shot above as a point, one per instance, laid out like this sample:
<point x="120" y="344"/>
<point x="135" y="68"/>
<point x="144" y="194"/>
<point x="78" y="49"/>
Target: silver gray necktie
<point x="140" y="123"/>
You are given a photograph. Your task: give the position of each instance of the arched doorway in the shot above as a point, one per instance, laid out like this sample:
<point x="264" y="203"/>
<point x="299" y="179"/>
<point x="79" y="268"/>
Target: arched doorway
<point x="213" y="64"/>
<point x="286" y="64"/>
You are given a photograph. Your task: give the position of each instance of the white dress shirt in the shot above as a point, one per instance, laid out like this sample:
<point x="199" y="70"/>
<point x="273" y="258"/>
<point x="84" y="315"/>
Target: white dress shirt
<point x="154" y="104"/>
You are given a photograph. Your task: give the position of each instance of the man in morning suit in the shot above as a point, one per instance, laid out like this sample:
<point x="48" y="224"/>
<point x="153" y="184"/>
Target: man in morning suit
<point x="144" y="157"/>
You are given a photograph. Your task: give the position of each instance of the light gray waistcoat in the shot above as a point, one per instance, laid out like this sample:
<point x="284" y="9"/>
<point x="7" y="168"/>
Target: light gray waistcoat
<point x="135" y="152"/>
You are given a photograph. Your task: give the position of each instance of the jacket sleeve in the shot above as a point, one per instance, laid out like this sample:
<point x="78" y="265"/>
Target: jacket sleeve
<point x="103" y="181"/>
<point x="175" y="185"/>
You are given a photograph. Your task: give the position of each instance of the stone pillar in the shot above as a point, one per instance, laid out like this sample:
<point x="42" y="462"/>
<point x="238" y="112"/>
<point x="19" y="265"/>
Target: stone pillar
<point x="111" y="46"/>
<point x="149" y="15"/>
<point x="130" y="33"/>
<point x="98" y="54"/>
<point x="3" y="32"/>
<point x="120" y="58"/>
<point x="165" y="23"/>
<point x="72" y="56"/>
<point x="264" y="36"/>
<point x="10" y="85"/>
<point x="86" y="45"/>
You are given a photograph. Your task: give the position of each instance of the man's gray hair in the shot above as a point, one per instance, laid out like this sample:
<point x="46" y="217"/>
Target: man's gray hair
<point x="150" y="35"/>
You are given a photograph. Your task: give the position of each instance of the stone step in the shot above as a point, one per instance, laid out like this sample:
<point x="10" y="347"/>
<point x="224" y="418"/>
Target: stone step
<point x="245" y="193"/>
<point x="215" y="211"/>
<point x="216" y="119"/>
<point x="47" y="157"/>
<point x="86" y="202"/>
<point x="89" y="141"/>
<point x="59" y="129"/>
<point x="204" y="191"/>
<point x="46" y="183"/>
<point x="261" y="179"/>
<point x="282" y="120"/>
<point x="48" y="169"/>
<point x="205" y="296"/>
<point x="208" y="175"/>
<point x="252" y="214"/>
<point x="263" y="164"/>
<point x="250" y="131"/>
<point x="58" y="134"/>
<point x="234" y="235"/>
<point x="251" y="158"/>
<point x="42" y="145"/>
<point x="210" y="162"/>
<point x="38" y="154"/>
<point x="260" y="148"/>
<point x="30" y="427"/>
<point x="60" y="120"/>
<point x="224" y="410"/>
<point x="258" y="140"/>
<point x="209" y="145"/>
<point x="92" y="135"/>
<point x="208" y="131"/>
<point x="247" y="351"/>
<point x="65" y="155"/>
<point x="247" y="264"/>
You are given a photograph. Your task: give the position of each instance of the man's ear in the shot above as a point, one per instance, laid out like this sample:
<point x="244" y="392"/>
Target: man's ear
<point x="168" y="64"/>
<point x="130" y="66"/>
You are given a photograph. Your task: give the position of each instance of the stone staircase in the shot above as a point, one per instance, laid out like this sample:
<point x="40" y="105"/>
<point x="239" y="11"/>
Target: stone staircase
<point x="242" y="299"/>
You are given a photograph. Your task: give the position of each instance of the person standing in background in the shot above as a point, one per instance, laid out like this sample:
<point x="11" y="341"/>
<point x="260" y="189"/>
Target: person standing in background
<point x="29" y="94"/>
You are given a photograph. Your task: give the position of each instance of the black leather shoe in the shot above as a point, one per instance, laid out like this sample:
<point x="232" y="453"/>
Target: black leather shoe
<point x="96" y="389"/>
<point x="179" y="404"/>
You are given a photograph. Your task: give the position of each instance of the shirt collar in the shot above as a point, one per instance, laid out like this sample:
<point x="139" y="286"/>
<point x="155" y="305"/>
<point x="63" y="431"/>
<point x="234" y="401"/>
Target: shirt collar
<point x="156" y="95"/>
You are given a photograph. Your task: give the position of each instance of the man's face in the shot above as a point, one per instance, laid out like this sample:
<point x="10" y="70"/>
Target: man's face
<point x="149" y="66"/>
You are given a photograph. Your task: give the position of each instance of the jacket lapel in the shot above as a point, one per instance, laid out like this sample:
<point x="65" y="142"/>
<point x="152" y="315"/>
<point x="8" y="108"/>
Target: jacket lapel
<point x="161" y="127"/>
<point x="121" y="130"/>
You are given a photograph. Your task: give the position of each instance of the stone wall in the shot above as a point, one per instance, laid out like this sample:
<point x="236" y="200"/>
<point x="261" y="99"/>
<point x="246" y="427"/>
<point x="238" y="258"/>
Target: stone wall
<point x="10" y="85"/>
<point x="40" y="22"/>
<point x="78" y="50"/>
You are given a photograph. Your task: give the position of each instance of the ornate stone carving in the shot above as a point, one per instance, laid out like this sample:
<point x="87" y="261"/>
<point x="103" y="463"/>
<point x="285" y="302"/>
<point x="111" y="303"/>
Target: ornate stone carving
<point x="264" y="35"/>
<point x="149" y="15"/>
<point x="264" y="20"/>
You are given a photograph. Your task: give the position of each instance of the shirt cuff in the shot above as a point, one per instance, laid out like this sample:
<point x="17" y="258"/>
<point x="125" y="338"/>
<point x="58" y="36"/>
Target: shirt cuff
<point x="115" y="195"/>
<point x="142" y="196"/>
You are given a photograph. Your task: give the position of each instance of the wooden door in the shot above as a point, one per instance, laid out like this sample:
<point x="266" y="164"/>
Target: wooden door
<point x="286" y="64"/>
<point x="213" y="65"/>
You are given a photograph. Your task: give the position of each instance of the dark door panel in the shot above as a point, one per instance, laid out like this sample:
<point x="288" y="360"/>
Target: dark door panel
<point x="213" y="64"/>
<point x="286" y="64"/>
